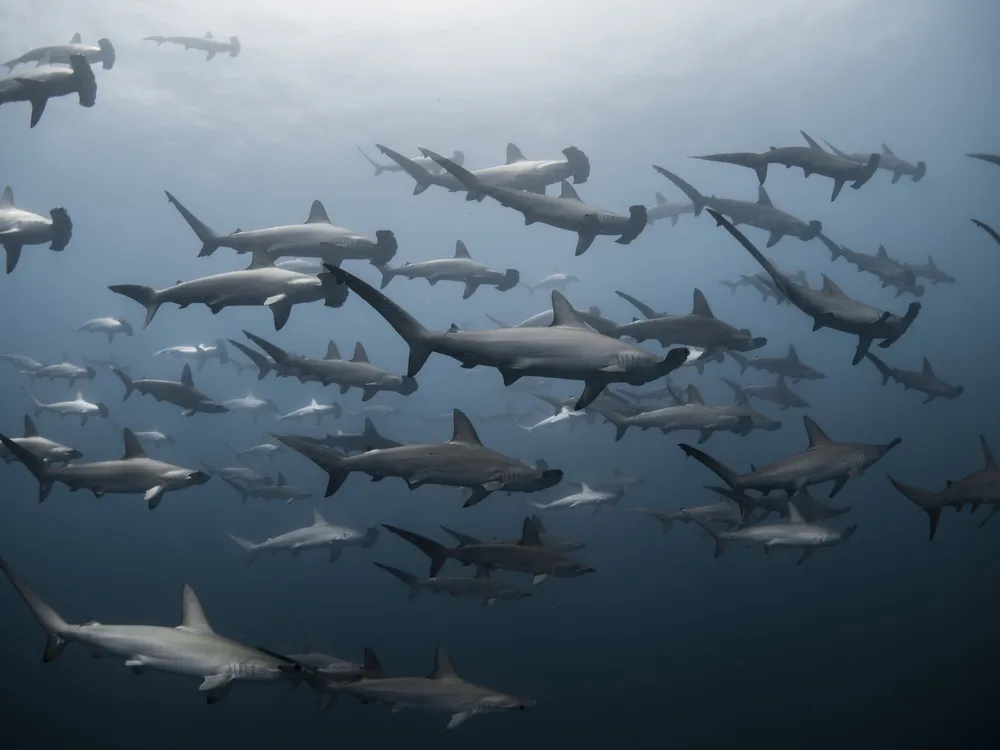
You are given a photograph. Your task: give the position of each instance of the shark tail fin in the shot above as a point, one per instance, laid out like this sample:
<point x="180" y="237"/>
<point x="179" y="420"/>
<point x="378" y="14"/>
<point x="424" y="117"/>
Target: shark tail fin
<point x="34" y="464"/>
<point x="39" y="406"/>
<point x="738" y="390"/>
<point x="402" y="575"/>
<point x="126" y="381"/>
<point x="238" y="487"/>
<point x="144" y="295"/>
<point x="249" y="547"/>
<point x="696" y="198"/>
<point x="335" y="464"/>
<point x="378" y="167"/>
<point x="720" y="543"/>
<point x="926" y="501"/>
<point x="884" y="370"/>
<point x="433" y="550"/>
<point x="740" y="360"/>
<point x="54" y="625"/>
<point x="727" y="475"/>
<point x="388" y="274"/>
<point x="210" y="241"/>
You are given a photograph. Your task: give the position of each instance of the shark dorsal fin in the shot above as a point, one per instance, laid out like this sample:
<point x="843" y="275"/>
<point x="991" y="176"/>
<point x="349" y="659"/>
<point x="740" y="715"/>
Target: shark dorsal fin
<point x="443" y="668"/>
<point x="568" y="192"/>
<point x="529" y="534"/>
<point x="461" y="251"/>
<point x="208" y="34"/>
<point x="370" y="427"/>
<point x="317" y="214"/>
<point x="318" y="519"/>
<point x="763" y="199"/>
<point x="29" y="427"/>
<point x="930" y="262"/>
<point x="464" y="432"/>
<point x="816" y="436"/>
<point x="186" y="378"/>
<point x="514" y="154"/>
<point x="563" y="313"/>
<point x="811" y="141"/>
<point x="258" y="259"/>
<point x="482" y="572"/>
<point x="927" y="369"/>
<point x="133" y="448"/>
<point x="660" y="199"/>
<point x="360" y="355"/>
<point x="539" y="527"/>
<point x="882" y="252"/>
<point x="700" y="306"/>
<point x="314" y="403"/>
<point x="7" y="198"/>
<point x="782" y="385"/>
<point x="831" y="289"/>
<point x="584" y="487"/>
<point x="694" y="396"/>
<point x="887" y="151"/>
<point x="192" y="615"/>
<point x="991" y="463"/>
<point x="541" y="464"/>
<point x="282" y="482"/>
<point x="332" y="352"/>
<point x="76" y="38"/>
<point x="372" y="666"/>
<point x="794" y="516"/>
<point x="792" y="354"/>
<point x="79" y="395"/>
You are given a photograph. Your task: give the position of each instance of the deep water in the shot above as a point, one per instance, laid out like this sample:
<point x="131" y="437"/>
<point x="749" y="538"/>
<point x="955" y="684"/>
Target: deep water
<point x="889" y="640"/>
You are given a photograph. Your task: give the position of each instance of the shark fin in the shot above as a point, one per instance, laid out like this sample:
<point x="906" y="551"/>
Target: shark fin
<point x="816" y="435"/>
<point x="563" y="313"/>
<point x="7" y="198"/>
<point x="700" y="306"/>
<point x="529" y="534"/>
<point x="991" y="463"/>
<point x="464" y="432"/>
<point x="831" y="289"/>
<point x="443" y="668"/>
<point x="192" y="615"/>
<point x="186" y="379"/>
<point x="763" y="199"/>
<point x="794" y="516"/>
<point x="568" y="192"/>
<point x="360" y="355"/>
<point x="317" y="214"/>
<point x="514" y="154"/>
<point x="133" y="448"/>
<point x="927" y="369"/>
<point x="461" y="251"/>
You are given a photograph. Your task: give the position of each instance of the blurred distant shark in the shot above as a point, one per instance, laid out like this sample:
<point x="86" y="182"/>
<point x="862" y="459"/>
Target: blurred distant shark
<point x="181" y="392"/>
<point x="204" y="43"/>
<point x="887" y="161"/>
<point x="108" y="325"/>
<point x="421" y="161"/>
<point x="460" y="268"/>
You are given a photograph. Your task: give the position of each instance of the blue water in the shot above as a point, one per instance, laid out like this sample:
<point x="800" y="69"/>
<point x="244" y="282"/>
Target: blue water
<point x="886" y="640"/>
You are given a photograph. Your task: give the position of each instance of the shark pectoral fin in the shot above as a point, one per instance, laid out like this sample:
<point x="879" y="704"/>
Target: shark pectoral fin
<point x="930" y="398"/>
<point x="839" y="485"/>
<point x="368" y="393"/>
<point x="13" y="255"/>
<point x="837" y="186"/>
<point x="214" y="682"/>
<point x="591" y="391"/>
<point x="470" y="289"/>
<point x="864" y="344"/>
<point x="83" y="420"/>
<point x="774" y="239"/>
<point x="344" y="389"/>
<point x="138" y="666"/>
<point x="335" y="552"/>
<point x="154" y="495"/>
<point x="806" y="554"/>
<point x="703" y="436"/>
<point x="539" y="579"/>
<point x="585" y="238"/>
<point x="819" y="322"/>
<point x="479" y="494"/>
<point x="459" y="718"/>
<point x="493" y="486"/>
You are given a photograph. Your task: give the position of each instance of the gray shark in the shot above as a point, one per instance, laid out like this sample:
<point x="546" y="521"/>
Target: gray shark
<point x="203" y="43"/>
<point x="587" y="497"/>
<point x="259" y="285"/>
<point x="762" y="214"/>
<point x="134" y="473"/>
<point x="743" y="410"/>
<point x="108" y="325"/>
<point x="155" y="437"/>
<point x="830" y="307"/>
<point x="241" y="474"/>
<point x="45" y="450"/>
<point x="796" y="534"/>
<point x="763" y="284"/>
<point x="181" y="392"/>
<point x="280" y="490"/>
<point x="664" y="209"/>
<point x="556" y="280"/>
<point x="65" y="371"/>
<point x="313" y="409"/>
<point x="442" y="691"/>
<point x="790" y="366"/>
<point x="191" y="649"/>
<point x="461" y="462"/>
<point x="975" y="489"/>
<point x="488" y="590"/>
<point x="200" y="353"/>
<point x="78" y="407"/>
<point x="887" y="161"/>
<point x="928" y="270"/>
<point x="548" y="539"/>
<point x="47" y="81"/>
<point x="103" y="53"/>
<point x="516" y="174"/>
<point x="823" y="461"/>
<point x="725" y="512"/>
<point x="988" y="229"/>
<point x="422" y="161"/>
<point x="316" y="238"/>
<point x="107" y="362"/>
<point x="988" y="158"/>
<point x="24" y="364"/>
<point x="564" y="212"/>
<point x="319" y="535"/>
<point x="461" y="268"/>
<point x="888" y="271"/>
<point x="19" y="228"/>
<point x="301" y="265"/>
<point x="358" y="442"/>
<point x="565" y="414"/>
<point x="251" y="405"/>
<point x="779" y="393"/>
<point x="567" y="349"/>
<point x="267" y="450"/>
<point x="693" y="415"/>
<point x="925" y="381"/>
<point x="528" y="555"/>
<point x="699" y="329"/>
<point x="755" y="509"/>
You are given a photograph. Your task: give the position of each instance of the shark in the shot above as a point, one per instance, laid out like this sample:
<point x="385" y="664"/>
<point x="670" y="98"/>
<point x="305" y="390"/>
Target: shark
<point x="988" y="229"/>
<point x="318" y="238"/>
<point x="421" y="161"/>
<point x="181" y="392"/>
<point x="45" y="450"/>
<point x="591" y="316"/>
<point x="779" y="393"/>
<point x="567" y="349"/>
<point x="928" y="270"/>
<point x="205" y="43"/>
<point x="664" y="209"/>
<point x="789" y="366"/>
<point x="547" y="538"/>
<point x="78" y="407"/>
<point x="200" y="353"/>
<point x="725" y="512"/>
<point x="461" y="267"/>
<point x="488" y="590"/>
<point x="64" y="371"/>
<point x="133" y="473"/>
<point x="359" y="442"/>
<point x="313" y="409"/>
<point x="461" y="462"/>
<point x="267" y="450"/>
<point x="692" y="415"/>
<point x="19" y="228"/>
<point x="988" y="158"/>
<point x="280" y="490"/>
<point x="823" y="461"/>
<point x="192" y="649"/>
<point x="925" y="381"/>
<point x="25" y="365"/>
<point x="251" y="405"/>
<point x="155" y="437"/>
<point x="830" y="307"/>
<point x="754" y="509"/>
<point x="110" y="326"/>
<point x="320" y="534"/>
<point x="103" y="52"/>
<point x="587" y="497"/>
<point x="39" y="85"/>
<point x="762" y="214"/>
<point x="887" y="270"/>
<point x="565" y="414"/>
<point x="555" y="280"/>
<point x="888" y="161"/>
<point x="241" y="474"/>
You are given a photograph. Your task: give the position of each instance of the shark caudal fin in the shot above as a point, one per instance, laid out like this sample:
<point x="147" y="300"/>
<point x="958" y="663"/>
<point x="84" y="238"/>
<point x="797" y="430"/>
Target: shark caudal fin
<point x="144" y="295"/>
<point x="402" y="575"/>
<point x="436" y="552"/>
<point x="379" y="169"/>
<point x="275" y="352"/>
<point x="415" y="335"/>
<point x="720" y="542"/>
<point x="35" y="465"/>
<point x="127" y="381"/>
<point x="335" y="464"/>
<point x="249" y="547"/>
<point x="742" y="361"/>
<point x="928" y="502"/>
<point x="727" y="475"/>
<point x="738" y="391"/>
<point x="262" y="363"/>
<point x="238" y="487"/>
<point x="388" y="274"/>
<point x="882" y="367"/>
<point x="424" y="179"/>
<point x="55" y="627"/>
<point x="696" y="198"/>
<point x="210" y="241"/>
<point x="470" y="182"/>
